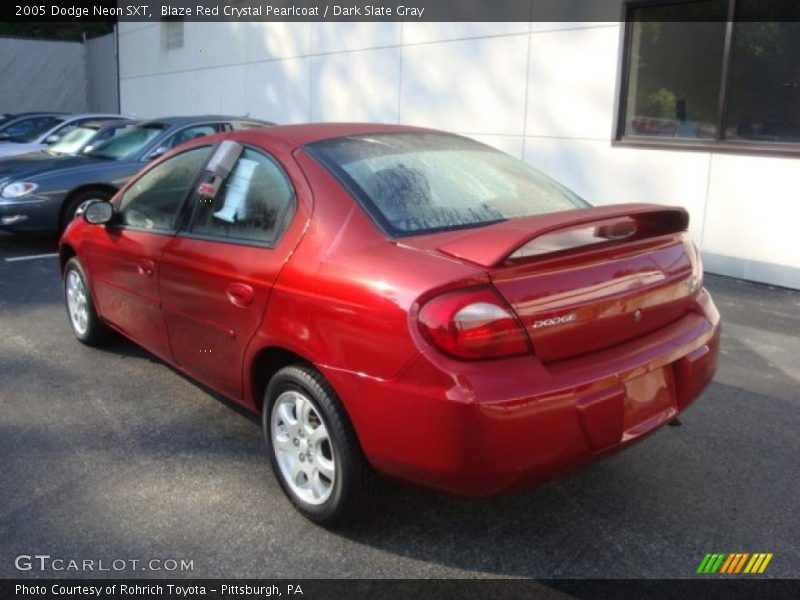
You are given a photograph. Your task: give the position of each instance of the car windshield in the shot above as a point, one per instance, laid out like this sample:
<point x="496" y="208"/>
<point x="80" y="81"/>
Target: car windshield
<point x="73" y="141"/>
<point x="413" y="183"/>
<point x="128" y="143"/>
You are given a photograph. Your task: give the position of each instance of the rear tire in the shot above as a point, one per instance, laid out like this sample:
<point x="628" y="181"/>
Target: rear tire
<point x="83" y="319"/>
<point x="313" y="449"/>
<point x="72" y="205"/>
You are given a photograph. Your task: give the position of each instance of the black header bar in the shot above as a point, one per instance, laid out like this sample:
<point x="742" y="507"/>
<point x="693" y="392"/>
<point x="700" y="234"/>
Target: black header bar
<point x="401" y="589"/>
<point x="352" y="10"/>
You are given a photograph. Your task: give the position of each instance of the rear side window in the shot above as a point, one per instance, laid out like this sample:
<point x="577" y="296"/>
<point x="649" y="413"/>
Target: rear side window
<point x="191" y="133"/>
<point x="250" y="124"/>
<point x="251" y="205"/>
<point x="27" y="130"/>
<point x="413" y="183"/>
<point x="153" y="201"/>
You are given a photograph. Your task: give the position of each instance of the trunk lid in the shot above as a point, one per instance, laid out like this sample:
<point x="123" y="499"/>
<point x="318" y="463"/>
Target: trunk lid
<point x="587" y="279"/>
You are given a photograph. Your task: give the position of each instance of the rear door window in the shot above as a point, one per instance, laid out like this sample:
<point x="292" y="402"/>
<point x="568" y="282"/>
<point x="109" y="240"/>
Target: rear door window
<point x="252" y="204"/>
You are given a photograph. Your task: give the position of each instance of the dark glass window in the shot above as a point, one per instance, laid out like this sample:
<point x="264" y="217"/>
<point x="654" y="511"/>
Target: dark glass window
<point x="673" y="86"/>
<point x="693" y="76"/>
<point x="251" y="205"/>
<point x="412" y="183"/>
<point x="764" y="93"/>
<point x="27" y="130"/>
<point x="189" y="134"/>
<point x="153" y="201"/>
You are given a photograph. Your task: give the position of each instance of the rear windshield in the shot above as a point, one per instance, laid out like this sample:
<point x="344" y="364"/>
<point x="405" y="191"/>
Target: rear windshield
<point x="413" y="183"/>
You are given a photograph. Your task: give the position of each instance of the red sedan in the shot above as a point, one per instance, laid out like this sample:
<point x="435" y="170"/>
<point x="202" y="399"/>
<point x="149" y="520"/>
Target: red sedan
<point x="401" y="301"/>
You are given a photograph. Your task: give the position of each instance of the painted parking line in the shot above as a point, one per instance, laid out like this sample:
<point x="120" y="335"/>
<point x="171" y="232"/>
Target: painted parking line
<point x="31" y="257"/>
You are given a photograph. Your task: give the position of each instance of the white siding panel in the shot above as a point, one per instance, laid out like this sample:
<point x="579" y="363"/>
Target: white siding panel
<point x="140" y="53"/>
<point x="417" y="33"/>
<point x="337" y="36"/>
<point x="270" y="40"/>
<point x="753" y="209"/>
<point x="573" y="96"/>
<point x="475" y="86"/>
<point x="279" y="90"/>
<point x="356" y="86"/>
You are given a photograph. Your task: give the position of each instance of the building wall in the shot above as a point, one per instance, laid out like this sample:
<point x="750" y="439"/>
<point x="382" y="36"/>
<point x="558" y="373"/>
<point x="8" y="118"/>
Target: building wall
<point x="59" y="76"/>
<point x="102" y="91"/>
<point x="545" y="92"/>
<point x="42" y="75"/>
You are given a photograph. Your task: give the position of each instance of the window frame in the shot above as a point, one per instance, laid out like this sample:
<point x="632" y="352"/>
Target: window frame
<point x="720" y="144"/>
<point x="282" y="225"/>
<point x="180" y="217"/>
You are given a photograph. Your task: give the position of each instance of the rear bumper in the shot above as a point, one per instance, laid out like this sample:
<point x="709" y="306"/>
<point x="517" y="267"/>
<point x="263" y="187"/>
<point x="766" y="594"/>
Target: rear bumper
<point x="484" y="428"/>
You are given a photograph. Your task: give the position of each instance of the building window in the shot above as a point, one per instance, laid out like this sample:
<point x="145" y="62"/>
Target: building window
<point x="718" y="73"/>
<point x="172" y="34"/>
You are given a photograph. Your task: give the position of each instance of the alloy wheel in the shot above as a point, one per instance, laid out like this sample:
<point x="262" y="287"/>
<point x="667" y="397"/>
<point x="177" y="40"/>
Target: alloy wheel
<point x="303" y="447"/>
<point x="77" y="302"/>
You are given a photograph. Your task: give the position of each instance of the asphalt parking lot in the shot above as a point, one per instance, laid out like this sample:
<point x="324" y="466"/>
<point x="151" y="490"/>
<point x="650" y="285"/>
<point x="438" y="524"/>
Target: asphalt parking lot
<point x="108" y="454"/>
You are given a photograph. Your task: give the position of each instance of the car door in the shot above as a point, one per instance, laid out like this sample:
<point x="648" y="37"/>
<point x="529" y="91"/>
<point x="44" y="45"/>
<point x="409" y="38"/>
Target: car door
<point x="124" y="257"/>
<point x="218" y="272"/>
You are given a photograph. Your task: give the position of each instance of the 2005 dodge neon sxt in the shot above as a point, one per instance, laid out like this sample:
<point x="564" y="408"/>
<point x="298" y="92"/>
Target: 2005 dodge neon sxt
<point x="401" y="301"/>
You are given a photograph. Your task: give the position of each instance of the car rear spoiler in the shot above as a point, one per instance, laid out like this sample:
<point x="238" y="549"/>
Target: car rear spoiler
<point x="492" y="245"/>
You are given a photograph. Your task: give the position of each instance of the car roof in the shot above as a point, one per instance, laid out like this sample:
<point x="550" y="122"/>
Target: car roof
<point x="300" y="135"/>
<point x="36" y="113"/>
<point x="27" y="115"/>
<point x="106" y="116"/>
<point x="189" y="119"/>
<point x="98" y="123"/>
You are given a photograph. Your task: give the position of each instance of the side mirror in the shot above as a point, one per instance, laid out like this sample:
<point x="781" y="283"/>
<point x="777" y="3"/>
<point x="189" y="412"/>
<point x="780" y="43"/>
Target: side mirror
<point x="98" y="213"/>
<point x="52" y="139"/>
<point x="156" y="153"/>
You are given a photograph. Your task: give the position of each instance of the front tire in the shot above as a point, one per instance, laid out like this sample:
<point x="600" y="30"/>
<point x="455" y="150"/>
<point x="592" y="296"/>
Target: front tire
<point x="313" y="449"/>
<point x="86" y="325"/>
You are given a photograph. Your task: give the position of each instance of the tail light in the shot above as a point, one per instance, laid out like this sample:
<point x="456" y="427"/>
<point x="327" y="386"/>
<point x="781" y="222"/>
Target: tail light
<point x="473" y="324"/>
<point x="697" y="264"/>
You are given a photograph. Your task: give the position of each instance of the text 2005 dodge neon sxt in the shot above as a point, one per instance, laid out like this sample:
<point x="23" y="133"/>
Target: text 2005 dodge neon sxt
<point x="401" y="301"/>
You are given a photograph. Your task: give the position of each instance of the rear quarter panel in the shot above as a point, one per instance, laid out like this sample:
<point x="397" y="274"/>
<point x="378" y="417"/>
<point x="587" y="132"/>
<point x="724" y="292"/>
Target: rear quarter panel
<point x="344" y="297"/>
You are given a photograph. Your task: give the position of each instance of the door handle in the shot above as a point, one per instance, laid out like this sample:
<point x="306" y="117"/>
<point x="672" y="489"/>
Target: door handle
<point x="241" y="294"/>
<point x="146" y="267"/>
